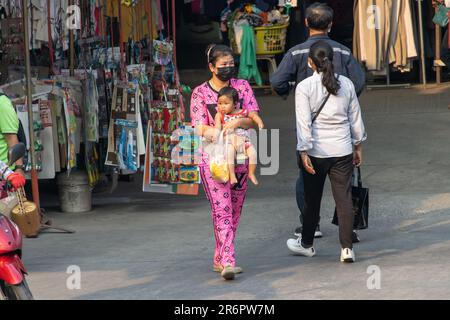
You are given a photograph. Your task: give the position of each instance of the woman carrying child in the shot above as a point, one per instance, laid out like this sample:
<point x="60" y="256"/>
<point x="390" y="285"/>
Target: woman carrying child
<point x="226" y="199"/>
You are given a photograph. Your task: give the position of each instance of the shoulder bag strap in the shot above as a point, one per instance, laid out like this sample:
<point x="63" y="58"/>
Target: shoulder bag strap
<point x="321" y="107"/>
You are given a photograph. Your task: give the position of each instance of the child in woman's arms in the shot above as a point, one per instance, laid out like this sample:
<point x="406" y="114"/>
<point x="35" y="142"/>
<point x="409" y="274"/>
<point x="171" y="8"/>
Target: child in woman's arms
<point x="240" y="138"/>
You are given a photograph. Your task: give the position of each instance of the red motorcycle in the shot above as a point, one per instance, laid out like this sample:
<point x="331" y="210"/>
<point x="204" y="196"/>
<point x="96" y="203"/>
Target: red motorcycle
<point x="13" y="285"/>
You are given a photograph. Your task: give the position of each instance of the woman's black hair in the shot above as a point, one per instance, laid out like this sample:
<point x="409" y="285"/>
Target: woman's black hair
<point x="229" y="92"/>
<point x="217" y="51"/>
<point x="322" y="55"/>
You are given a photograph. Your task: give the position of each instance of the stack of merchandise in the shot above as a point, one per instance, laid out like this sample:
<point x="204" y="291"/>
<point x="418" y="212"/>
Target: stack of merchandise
<point x="172" y="148"/>
<point x="250" y="15"/>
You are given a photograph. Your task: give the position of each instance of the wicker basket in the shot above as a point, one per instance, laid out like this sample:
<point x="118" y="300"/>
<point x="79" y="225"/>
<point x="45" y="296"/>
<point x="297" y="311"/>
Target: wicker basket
<point x="268" y="40"/>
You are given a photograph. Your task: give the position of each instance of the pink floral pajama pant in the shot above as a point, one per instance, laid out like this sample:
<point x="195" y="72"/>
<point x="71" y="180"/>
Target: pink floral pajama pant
<point x="226" y="207"/>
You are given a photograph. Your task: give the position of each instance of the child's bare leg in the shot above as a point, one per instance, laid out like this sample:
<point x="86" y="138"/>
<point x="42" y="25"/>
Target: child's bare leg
<point x="253" y="159"/>
<point x="230" y="158"/>
<point x="231" y="155"/>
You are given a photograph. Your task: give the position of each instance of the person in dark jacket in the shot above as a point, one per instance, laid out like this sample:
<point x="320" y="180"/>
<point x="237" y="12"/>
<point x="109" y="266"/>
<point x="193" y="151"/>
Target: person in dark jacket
<point x="294" y="68"/>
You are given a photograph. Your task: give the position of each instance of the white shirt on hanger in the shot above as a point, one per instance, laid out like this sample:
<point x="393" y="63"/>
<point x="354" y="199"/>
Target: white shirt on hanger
<point x="338" y="127"/>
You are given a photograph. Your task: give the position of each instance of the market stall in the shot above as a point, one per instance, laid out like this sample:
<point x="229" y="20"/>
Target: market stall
<point x="106" y="100"/>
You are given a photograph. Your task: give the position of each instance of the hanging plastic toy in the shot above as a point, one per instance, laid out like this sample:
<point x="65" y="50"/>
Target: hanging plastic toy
<point x="121" y="148"/>
<point x="162" y="52"/>
<point x="131" y="155"/>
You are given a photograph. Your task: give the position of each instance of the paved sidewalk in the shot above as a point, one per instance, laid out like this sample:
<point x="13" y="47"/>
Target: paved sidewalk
<point x="152" y="246"/>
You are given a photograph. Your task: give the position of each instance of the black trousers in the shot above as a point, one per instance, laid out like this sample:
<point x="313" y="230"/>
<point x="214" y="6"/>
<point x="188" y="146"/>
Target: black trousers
<point x="340" y="172"/>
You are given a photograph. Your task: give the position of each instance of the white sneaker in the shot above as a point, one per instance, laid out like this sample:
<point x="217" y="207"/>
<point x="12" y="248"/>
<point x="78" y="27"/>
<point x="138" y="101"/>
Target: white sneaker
<point x="347" y="255"/>
<point x="295" y="245"/>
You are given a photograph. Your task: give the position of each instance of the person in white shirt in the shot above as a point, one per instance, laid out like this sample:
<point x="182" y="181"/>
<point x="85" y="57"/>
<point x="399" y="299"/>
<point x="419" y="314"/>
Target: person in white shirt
<point x="329" y="142"/>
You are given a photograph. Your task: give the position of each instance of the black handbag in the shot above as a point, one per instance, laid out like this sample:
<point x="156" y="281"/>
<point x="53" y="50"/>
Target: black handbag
<point x="360" y="197"/>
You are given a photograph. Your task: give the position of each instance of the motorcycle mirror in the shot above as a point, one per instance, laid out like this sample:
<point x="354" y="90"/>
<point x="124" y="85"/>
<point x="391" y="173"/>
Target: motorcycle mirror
<point x="16" y="152"/>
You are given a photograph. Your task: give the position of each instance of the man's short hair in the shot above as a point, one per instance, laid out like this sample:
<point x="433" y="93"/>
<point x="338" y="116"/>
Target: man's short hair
<point x="319" y="16"/>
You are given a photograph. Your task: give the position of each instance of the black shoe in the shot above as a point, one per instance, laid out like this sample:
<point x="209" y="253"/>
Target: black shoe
<point x="355" y="237"/>
<point x="317" y="234"/>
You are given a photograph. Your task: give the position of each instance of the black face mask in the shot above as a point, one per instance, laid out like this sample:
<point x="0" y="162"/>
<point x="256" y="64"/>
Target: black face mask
<point x="225" y="73"/>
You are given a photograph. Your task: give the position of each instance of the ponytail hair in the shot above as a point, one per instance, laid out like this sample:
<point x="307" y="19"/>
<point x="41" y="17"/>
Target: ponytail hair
<point x="321" y="53"/>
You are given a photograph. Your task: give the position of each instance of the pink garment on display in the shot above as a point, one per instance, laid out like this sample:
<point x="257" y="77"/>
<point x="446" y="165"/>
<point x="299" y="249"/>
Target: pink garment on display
<point x="160" y="18"/>
<point x="196" y="7"/>
<point x="97" y="21"/>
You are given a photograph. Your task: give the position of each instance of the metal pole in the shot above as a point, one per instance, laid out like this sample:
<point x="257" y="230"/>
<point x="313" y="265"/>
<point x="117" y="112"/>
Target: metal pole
<point x="29" y="100"/>
<point x="174" y="38"/>
<point x="422" y="46"/>
<point x="50" y="38"/>
<point x="438" y="52"/>
<point x="122" y="48"/>
<point x="72" y="48"/>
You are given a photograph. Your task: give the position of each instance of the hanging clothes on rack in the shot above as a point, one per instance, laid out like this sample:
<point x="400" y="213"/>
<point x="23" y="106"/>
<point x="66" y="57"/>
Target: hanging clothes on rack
<point x="297" y="30"/>
<point x="131" y="23"/>
<point x="3" y="13"/>
<point x="13" y="8"/>
<point x="157" y="14"/>
<point x="197" y="7"/>
<point x="38" y="25"/>
<point x="384" y="34"/>
<point x="96" y="18"/>
<point x="403" y="48"/>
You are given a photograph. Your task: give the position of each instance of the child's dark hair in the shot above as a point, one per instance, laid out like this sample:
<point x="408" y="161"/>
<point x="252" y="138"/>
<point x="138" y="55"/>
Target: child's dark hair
<point x="322" y="55"/>
<point x="230" y="93"/>
<point x="217" y="51"/>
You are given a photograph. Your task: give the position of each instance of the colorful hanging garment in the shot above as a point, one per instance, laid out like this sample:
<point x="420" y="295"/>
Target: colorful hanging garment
<point x="248" y="68"/>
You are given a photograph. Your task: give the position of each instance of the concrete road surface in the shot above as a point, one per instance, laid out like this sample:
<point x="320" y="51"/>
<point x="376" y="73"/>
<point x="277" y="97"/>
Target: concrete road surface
<point x="151" y="246"/>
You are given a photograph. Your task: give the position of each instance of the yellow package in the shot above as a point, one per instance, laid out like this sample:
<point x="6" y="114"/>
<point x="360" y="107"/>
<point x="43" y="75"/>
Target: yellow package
<point x="219" y="171"/>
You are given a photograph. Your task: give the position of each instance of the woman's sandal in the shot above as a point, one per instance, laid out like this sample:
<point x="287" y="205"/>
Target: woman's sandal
<point x="228" y="272"/>
<point x="219" y="268"/>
